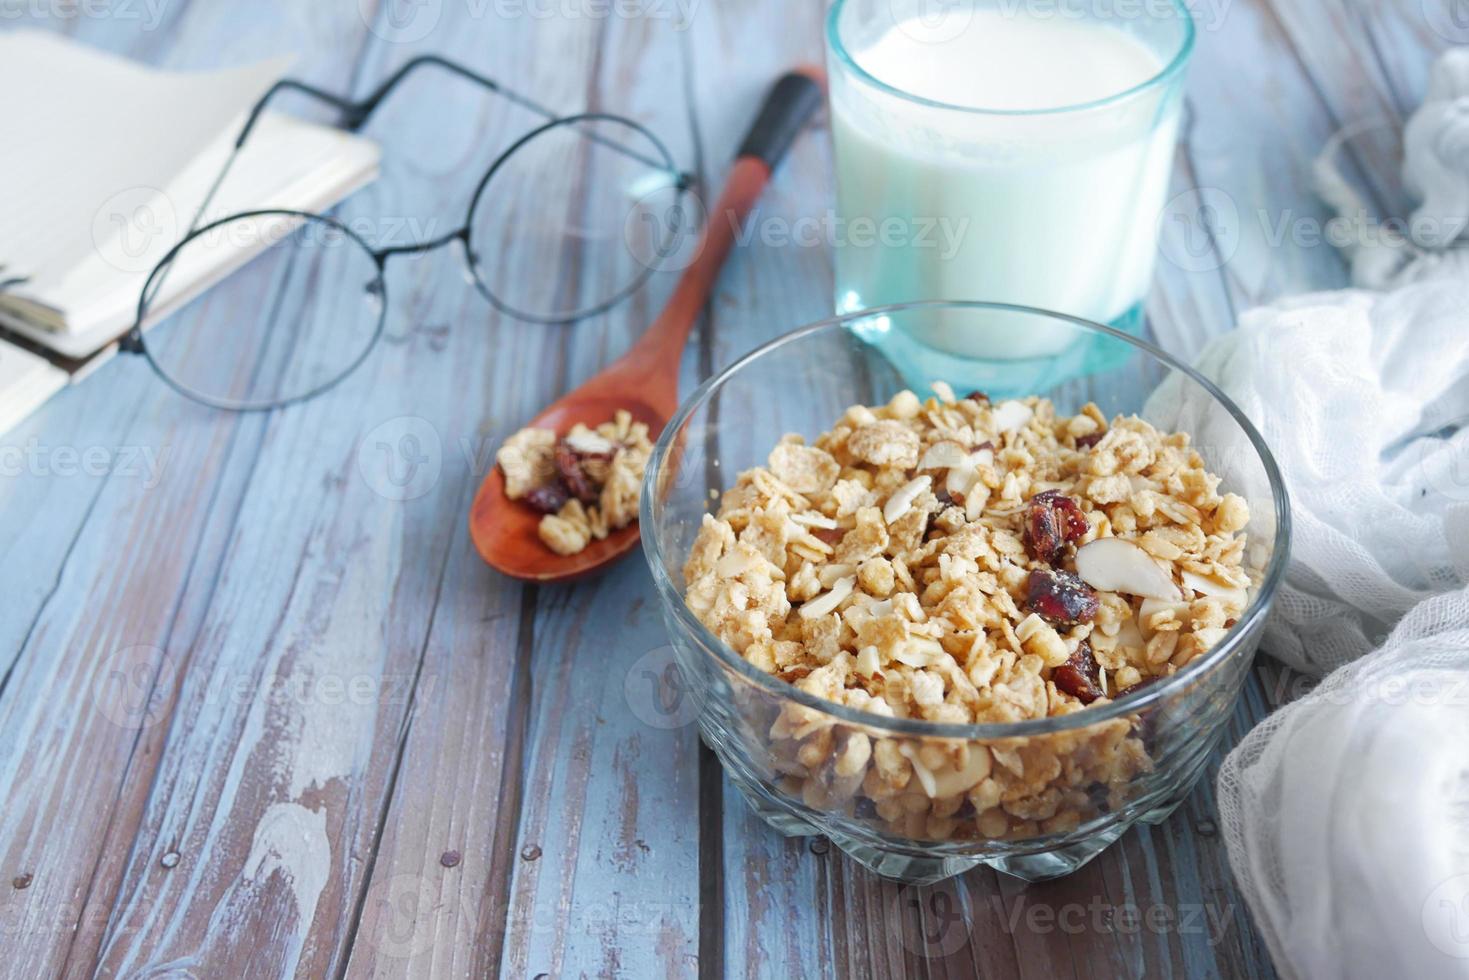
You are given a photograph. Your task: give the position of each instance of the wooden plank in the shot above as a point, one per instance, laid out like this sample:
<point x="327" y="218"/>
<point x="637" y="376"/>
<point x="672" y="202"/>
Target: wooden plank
<point x="56" y="463"/>
<point x="289" y="800"/>
<point x="1370" y="65"/>
<point x="757" y="877"/>
<point x="605" y="879"/>
<point x="82" y="707"/>
<point x="433" y="896"/>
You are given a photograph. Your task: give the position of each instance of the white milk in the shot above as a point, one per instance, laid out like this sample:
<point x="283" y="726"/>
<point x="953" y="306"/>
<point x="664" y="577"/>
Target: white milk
<point x="1057" y="210"/>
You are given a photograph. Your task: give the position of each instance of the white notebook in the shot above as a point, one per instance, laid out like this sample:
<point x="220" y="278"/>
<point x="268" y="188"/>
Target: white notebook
<point x="107" y="164"/>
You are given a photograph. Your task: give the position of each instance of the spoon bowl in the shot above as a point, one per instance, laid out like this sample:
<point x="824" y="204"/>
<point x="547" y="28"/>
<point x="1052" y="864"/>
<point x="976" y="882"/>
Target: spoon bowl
<point x="504" y="531"/>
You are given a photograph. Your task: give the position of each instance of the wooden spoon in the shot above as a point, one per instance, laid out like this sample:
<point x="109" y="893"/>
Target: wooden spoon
<point x="644" y="381"/>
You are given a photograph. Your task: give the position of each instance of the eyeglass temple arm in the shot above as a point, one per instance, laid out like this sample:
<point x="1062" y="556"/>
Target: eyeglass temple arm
<point x="360" y="112"/>
<point x="356" y="114"/>
<point x="290" y="85"/>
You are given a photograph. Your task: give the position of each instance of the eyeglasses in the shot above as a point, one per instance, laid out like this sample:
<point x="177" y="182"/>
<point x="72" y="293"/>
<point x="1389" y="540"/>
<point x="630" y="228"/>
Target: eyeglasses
<point x="568" y="221"/>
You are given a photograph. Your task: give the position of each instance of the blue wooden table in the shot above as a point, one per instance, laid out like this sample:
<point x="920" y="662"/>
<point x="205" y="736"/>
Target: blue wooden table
<point x="263" y="712"/>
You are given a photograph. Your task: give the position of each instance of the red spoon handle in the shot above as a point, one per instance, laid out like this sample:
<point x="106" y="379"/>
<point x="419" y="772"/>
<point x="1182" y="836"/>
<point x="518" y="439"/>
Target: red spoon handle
<point x="787" y="107"/>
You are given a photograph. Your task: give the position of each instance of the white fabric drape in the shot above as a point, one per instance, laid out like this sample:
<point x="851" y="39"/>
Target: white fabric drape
<point x="1346" y="813"/>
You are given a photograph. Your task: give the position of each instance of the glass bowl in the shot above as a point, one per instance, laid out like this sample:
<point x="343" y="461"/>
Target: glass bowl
<point x="1073" y="783"/>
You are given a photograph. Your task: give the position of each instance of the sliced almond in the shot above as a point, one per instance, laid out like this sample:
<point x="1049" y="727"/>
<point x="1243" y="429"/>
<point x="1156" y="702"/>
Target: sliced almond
<point x="1116" y="565"/>
<point x="812" y="519"/>
<point x="965" y="473"/>
<point x="902" y="499"/>
<point x="589" y="443"/>
<point x="925" y="778"/>
<point x="827" y="602"/>
<point x="1152" y="607"/>
<point x="949" y="782"/>
<point x="960" y="479"/>
<point x="1011" y="415"/>
<point x="1130" y="635"/>
<point x="868" y="661"/>
<point x="1204" y="585"/>
<point x="907" y="604"/>
<point x="975" y="500"/>
<point x="945" y="393"/>
<point x="830" y="574"/>
<point x="878" y="608"/>
<point x="919" y="651"/>
<point x="737" y="563"/>
<point x="943" y="455"/>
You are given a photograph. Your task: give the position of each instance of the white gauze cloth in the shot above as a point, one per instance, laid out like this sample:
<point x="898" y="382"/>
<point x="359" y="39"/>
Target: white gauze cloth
<point x="1346" y="813"/>
<point x="1357" y="395"/>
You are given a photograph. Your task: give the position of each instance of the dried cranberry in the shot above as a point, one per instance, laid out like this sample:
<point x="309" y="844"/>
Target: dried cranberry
<point x="1079" y="676"/>
<point x="1052" y="521"/>
<point x="977" y="396"/>
<point x="1060" y="597"/>
<point x="548" y="498"/>
<point x="568" y="464"/>
<point x="831" y="535"/>
<point x="1089" y="440"/>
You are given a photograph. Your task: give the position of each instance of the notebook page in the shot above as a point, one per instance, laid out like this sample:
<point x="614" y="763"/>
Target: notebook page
<point x="287" y="163"/>
<point x="26" y="381"/>
<point x="74" y="161"/>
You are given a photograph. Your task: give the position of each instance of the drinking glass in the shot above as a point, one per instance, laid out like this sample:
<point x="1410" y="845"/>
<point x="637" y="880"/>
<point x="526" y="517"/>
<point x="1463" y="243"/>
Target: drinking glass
<point x="1006" y="196"/>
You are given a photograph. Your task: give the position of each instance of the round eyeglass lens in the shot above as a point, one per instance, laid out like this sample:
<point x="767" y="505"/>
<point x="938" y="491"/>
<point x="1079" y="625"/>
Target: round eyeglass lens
<point x="298" y="307"/>
<point x="574" y="218"/>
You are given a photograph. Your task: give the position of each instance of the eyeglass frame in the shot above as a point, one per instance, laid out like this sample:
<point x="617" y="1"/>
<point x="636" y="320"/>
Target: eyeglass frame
<point x="355" y="115"/>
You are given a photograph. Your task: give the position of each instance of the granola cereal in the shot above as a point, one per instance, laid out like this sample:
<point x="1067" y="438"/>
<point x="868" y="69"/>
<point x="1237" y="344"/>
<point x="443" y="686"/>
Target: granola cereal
<point x="585" y="484"/>
<point x="960" y="561"/>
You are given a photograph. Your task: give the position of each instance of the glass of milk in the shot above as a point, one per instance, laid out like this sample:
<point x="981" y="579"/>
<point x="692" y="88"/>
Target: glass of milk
<point x="1015" y="151"/>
